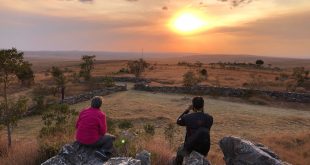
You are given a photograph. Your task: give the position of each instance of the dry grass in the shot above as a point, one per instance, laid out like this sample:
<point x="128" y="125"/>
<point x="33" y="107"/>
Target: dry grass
<point x="21" y="153"/>
<point x="277" y="128"/>
<point x="162" y="153"/>
<point x="294" y="148"/>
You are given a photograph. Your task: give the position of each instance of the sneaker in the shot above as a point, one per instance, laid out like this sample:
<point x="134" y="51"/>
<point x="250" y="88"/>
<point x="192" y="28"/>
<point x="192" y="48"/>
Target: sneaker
<point x="101" y="155"/>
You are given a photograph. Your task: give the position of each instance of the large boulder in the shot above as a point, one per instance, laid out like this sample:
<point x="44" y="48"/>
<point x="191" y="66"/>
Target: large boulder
<point x="76" y="154"/>
<point x="195" y="158"/>
<point x="238" y="151"/>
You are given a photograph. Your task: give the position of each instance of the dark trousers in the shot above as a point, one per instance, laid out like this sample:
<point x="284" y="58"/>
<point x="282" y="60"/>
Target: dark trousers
<point x="199" y="142"/>
<point x="104" y="143"/>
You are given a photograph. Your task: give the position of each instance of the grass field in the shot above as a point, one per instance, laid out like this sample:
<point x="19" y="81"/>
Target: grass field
<point x="280" y="128"/>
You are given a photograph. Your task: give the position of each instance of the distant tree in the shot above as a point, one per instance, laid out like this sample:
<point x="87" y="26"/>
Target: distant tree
<point x="300" y="75"/>
<point x="190" y="79"/>
<point x="25" y="74"/>
<point x="10" y="63"/>
<point x="137" y="67"/>
<point x="87" y="66"/>
<point x="259" y="62"/>
<point x="60" y="79"/>
<point x="204" y="73"/>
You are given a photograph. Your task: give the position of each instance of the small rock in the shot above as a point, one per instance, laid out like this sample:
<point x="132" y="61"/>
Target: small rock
<point x="195" y="158"/>
<point x="122" y="161"/>
<point x="145" y="157"/>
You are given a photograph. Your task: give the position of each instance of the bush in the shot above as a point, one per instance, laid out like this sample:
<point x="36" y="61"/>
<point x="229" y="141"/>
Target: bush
<point x="123" y="70"/>
<point x="108" y="82"/>
<point x="125" y="146"/>
<point x="170" y="131"/>
<point x="137" y="67"/>
<point x="149" y="129"/>
<point x="204" y="73"/>
<point x="57" y="119"/>
<point x="125" y="124"/>
<point x="111" y="125"/>
<point x="190" y="79"/>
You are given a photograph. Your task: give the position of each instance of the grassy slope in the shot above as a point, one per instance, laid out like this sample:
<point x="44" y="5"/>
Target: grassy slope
<point x="250" y="121"/>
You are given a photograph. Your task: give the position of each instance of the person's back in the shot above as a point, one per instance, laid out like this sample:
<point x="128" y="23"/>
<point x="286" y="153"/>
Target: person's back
<point x="91" y="130"/>
<point x="198" y="125"/>
<point x="90" y="126"/>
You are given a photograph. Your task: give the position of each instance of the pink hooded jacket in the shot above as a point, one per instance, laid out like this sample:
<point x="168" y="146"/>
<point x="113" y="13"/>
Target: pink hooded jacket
<point x="90" y="125"/>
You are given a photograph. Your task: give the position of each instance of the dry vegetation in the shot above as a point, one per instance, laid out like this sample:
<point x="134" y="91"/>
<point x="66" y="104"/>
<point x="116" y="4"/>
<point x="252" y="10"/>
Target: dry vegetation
<point x="286" y="131"/>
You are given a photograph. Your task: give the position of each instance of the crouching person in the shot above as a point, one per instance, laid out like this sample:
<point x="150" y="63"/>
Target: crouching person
<point x="91" y="130"/>
<point x="198" y="125"/>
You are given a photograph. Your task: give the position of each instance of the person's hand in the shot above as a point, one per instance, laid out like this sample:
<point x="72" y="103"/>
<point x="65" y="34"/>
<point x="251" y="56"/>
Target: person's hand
<point x="189" y="108"/>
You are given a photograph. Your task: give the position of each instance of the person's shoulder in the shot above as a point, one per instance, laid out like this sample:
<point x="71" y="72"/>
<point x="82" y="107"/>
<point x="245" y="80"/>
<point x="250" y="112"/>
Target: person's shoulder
<point x="101" y="113"/>
<point x="208" y="115"/>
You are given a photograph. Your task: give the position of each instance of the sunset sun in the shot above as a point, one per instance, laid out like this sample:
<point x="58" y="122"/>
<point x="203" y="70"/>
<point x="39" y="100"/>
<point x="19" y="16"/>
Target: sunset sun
<point x="188" y="22"/>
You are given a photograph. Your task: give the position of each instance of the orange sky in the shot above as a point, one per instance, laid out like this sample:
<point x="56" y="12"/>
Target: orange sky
<point x="260" y="27"/>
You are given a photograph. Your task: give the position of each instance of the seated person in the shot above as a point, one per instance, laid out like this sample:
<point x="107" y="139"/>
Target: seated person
<point x="198" y="125"/>
<point x="92" y="130"/>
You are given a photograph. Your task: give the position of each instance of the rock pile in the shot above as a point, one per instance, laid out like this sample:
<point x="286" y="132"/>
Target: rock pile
<point x="236" y="151"/>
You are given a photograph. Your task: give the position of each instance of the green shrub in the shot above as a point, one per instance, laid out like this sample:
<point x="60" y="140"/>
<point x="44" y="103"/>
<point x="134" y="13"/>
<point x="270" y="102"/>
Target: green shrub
<point x="170" y="131"/>
<point x="125" y="146"/>
<point x="123" y="70"/>
<point x="59" y="118"/>
<point x="111" y="125"/>
<point x="108" y="82"/>
<point x="149" y="129"/>
<point x="190" y="79"/>
<point x="125" y="124"/>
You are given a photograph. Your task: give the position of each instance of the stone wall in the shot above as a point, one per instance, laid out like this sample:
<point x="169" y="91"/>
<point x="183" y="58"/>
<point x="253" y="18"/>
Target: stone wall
<point x="229" y="92"/>
<point x="125" y="79"/>
<point x="89" y="95"/>
<point x="84" y="96"/>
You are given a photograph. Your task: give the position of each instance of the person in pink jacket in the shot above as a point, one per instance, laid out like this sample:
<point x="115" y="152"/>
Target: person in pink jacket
<point x="91" y="129"/>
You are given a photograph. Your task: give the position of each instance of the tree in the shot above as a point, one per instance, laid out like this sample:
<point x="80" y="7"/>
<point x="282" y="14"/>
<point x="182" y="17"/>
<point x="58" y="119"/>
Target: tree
<point x="300" y="75"/>
<point x="259" y="62"/>
<point x="204" y="73"/>
<point x="137" y="67"/>
<point x="87" y="66"/>
<point x="60" y="79"/>
<point x="190" y="79"/>
<point x="25" y="74"/>
<point x="10" y="63"/>
<point x="11" y="112"/>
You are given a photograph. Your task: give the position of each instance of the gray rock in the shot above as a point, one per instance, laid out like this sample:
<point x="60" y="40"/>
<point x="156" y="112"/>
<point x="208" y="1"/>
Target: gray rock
<point x="76" y="154"/>
<point x="238" y="151"/>
<point x="195" y="158"/>
<point x="122" y="161"/>
<point x="145" y="157"/>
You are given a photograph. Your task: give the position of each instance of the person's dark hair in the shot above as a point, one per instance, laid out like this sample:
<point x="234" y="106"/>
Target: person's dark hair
<point x="96" y="102"/>
<point x="198" y="103"/>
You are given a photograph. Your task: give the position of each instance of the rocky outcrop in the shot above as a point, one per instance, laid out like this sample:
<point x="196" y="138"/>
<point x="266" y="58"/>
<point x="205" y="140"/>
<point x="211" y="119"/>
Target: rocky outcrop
<point x="238" y="151"/>
<point x="76" y="154"/>
<point x="195" y="158"/>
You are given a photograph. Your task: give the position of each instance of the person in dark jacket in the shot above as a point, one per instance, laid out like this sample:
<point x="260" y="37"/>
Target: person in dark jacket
<point x="198" y="125"/>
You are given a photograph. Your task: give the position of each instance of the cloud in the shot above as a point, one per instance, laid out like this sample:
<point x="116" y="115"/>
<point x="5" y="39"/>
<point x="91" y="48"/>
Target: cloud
<point x="236" y="3"/>
<point x="86" y="1"/>
<point x="288" y="26"/>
